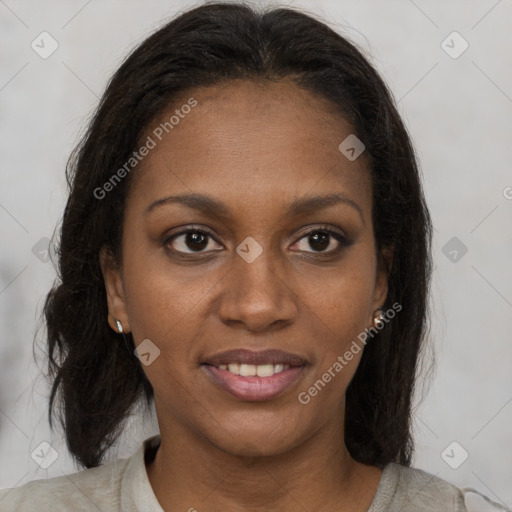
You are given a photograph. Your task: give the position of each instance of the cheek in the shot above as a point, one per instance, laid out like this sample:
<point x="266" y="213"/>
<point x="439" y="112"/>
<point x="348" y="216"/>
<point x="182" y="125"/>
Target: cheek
<point x="159" y="295"/>
<point x="162" y="307"/>
<point x="342" y="299"/>
<point x="169" y="305"/>
<point x="339" y="313"/>
<point x="339" y="317"/>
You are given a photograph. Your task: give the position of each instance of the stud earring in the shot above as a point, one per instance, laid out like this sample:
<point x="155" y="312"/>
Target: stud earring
<point x="121" y="331"/>
<point x="378" y="319"/>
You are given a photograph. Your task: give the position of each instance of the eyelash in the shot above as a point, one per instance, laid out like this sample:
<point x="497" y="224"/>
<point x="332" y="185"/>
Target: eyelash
<point x="341" y="239"/>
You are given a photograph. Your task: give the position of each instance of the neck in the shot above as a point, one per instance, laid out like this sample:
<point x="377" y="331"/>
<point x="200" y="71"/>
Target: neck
<point x="190" y="473"/>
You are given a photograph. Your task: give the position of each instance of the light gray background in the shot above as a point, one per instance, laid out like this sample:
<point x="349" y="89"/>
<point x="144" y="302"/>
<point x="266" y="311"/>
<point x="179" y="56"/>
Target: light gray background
<point x="458" y="112"/>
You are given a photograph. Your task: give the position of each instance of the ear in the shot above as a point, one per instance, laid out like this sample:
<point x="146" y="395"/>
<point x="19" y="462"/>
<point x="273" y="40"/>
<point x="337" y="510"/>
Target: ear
<point x="384" y="263"/>
<point x="115" y="291"/>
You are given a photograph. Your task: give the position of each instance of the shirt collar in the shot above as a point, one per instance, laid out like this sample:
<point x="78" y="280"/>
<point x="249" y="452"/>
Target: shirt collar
<point x="136" y="491"/>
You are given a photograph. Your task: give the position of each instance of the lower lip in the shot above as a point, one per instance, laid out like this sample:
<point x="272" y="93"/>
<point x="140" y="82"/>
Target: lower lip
<point x="254" y="388"/>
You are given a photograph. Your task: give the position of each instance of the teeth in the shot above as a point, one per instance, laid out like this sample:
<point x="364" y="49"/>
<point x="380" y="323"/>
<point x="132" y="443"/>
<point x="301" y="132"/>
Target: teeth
<point x="265" y="370"/>
<point x="234" y="368"/>
<point x="251" y="370"/>
<point x="248" y="370"/>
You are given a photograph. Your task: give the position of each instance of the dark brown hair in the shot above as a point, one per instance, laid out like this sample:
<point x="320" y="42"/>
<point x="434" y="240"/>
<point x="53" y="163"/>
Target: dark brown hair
<point x="96" y="380"/>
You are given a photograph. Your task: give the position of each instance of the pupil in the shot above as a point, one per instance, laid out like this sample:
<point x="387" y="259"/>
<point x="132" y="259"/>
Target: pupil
<point x="319" y="240"/>
<point x="197" y="240"/>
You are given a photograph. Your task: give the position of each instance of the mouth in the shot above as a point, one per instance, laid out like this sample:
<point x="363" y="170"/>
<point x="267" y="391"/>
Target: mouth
<point x="252" y="370"/>
<point x="254" y="376"/>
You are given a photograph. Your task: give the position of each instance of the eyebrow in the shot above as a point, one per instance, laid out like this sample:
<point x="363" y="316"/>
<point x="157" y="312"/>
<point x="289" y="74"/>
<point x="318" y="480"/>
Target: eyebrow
<point x="210" y="206"/>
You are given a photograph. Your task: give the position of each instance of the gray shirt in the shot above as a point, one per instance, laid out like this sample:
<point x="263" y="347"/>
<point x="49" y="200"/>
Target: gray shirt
<point x="123" y="485"/>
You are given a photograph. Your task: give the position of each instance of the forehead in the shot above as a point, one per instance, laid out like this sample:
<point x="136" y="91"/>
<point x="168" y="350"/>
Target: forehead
<point x="250" y="140"/>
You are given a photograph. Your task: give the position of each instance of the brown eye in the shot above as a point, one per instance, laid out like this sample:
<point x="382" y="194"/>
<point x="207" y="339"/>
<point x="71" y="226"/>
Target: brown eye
<point x="190" y="241"/>
<point x="324" y="241"/>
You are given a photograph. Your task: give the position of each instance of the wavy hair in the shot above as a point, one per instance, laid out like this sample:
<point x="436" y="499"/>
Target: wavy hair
<point x="96" y="381"/>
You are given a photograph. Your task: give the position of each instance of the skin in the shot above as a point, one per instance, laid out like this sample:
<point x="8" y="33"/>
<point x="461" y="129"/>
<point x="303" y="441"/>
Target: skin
<point x="256" y="148"/>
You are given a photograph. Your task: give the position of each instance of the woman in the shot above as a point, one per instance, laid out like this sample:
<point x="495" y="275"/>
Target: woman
<point x="247" y="244"/>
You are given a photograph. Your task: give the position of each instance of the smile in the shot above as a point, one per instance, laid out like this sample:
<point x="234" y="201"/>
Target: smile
<point x="253" y="382"/>
<point x="251" y="370"/>
<point x="254" y="375"/>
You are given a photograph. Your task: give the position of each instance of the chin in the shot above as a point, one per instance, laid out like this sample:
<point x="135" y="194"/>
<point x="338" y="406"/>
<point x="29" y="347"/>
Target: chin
<point x="257" y="441"/>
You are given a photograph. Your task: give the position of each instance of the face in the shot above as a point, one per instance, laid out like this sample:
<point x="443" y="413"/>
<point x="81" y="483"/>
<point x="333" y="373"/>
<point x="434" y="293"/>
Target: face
<point x="250" y="263"/>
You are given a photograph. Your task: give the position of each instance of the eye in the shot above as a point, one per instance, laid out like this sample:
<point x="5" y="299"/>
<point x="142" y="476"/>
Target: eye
<point x="321" y="240"/>
<point x="196" y="240"/>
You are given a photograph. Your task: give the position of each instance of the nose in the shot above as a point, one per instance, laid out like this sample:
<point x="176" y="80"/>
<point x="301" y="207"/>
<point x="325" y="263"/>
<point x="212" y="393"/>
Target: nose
<point x="258" y="296"/>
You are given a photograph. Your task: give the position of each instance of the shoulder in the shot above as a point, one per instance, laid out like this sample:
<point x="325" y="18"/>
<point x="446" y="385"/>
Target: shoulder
<point x="90" y="489"/>
<point x="427" y="489"/>
<point x="410" y="489"/>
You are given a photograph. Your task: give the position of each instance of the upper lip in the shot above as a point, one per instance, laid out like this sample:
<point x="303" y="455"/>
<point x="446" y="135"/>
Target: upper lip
<point x="244" y="356"/>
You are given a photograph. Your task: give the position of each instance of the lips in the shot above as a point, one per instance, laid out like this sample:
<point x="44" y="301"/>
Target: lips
<point x="265" y="357"/>
<point x="254" y="376"/>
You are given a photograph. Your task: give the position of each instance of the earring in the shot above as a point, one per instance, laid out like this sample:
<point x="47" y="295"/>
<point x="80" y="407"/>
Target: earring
<point x="378" y="319"/>
<point x="121" y="331"/>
